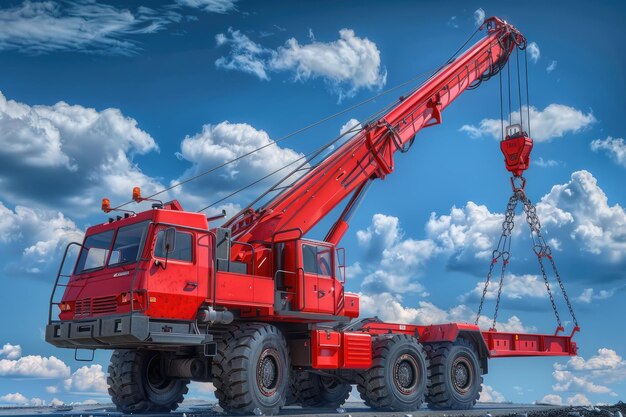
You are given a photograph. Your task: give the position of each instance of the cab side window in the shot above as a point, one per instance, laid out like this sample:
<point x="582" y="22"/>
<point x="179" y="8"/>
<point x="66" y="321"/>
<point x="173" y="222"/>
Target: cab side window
<point x="316" y="260"/>
<point x="182" y="248"/>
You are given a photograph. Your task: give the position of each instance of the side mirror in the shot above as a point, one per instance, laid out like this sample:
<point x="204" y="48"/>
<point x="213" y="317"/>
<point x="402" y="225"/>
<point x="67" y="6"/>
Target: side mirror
<point x="169" y="241"/>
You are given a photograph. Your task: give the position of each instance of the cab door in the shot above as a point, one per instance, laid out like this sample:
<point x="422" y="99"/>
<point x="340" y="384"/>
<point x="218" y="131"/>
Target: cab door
<point x="317" y="290"/>
<point x="173" y="286"/>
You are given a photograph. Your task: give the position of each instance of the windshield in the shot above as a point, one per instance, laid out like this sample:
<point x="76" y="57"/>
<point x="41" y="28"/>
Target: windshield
<point x="95" y="252"/>
<point x="127" y="243"/>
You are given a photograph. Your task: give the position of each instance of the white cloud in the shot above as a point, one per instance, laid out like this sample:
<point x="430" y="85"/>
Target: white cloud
<point x="606" y="366"/>
<point x="83" y="26"/>
<point x="87" y="379"/>
<point x="589" y="376"/>
<point x="533" y="51"/>
<point x="515" y="287"/>
<point x="580" y="208"/>
<point x="390" y="308"/>
<point x="78" y="155"/>
<point x="393" y="260"/>
<point x="51" y="389"/>
<point x="567" y="381"/>
<point x="55" y="402"/>
<point x="245" y="55"/>
<point x="551" y="67"/>
<point x="614" y="147"/>
<point x="578" y="400"/>
<point x="589" y="294"/>
<point x="348" y="64"/>
<point x="211" y="6"/>
<point x="11" y="351"/>
<point x="19" y="399"/>
<point x="15" y="398"/>
<point x="467" y="232"/>
<point x="555" y="121"/>
<point x="223" y="142"/>
<point x="489" y="395"/>
<point x="548" y="163"/>
<point x="575" y="216"/>
<point x="479" y="16"/>
<point x="34" y="238"/>
<point x="551" y="399"/>
<point x="34" y="366"/>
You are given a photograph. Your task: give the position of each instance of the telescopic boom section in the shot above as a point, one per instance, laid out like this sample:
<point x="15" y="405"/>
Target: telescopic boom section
<point x="370" y="153"/>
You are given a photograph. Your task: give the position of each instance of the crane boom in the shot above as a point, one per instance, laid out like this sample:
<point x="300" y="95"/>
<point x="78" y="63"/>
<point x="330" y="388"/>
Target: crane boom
<point x="369" y="154"/>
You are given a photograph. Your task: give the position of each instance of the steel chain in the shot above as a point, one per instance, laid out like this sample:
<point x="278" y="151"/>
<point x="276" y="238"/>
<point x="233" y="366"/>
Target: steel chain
<point x="502" y="251"/>
<point x="540" y="248"/>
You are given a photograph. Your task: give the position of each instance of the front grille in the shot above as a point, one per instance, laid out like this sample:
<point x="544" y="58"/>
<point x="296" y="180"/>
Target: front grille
<point x="104" y="305"/>
<point x="82" y="308"/>
<point x="92" y="306"/>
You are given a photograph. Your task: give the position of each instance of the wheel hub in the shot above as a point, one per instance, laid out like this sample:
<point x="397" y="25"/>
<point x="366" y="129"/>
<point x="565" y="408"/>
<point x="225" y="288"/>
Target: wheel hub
<point x="462" y="375"/>
<point x="155" y="380"/>
<point x="268" y="373"/>
<point x="406" y="374"/>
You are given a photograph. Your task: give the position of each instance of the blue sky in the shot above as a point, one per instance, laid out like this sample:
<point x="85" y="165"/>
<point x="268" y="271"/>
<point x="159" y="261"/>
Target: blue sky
<point x="97" y="97"/>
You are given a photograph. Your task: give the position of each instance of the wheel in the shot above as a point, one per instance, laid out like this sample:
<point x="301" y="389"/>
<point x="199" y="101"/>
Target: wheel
<point x="456" y="376"/>
<point x="137" y="385"/>
<point x="251" y="369"/>
<point x="398" y="377"/>
<point x="313" y="390"/>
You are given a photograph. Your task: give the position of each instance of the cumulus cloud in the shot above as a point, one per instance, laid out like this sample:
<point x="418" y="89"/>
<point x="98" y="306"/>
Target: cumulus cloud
<point x="581" y="210"/>
<point x="607" y="366"/>
<point x="389" y="307"/>
<point x="87" y="379"/>
<point x="479" y="16"/>
<point x="17" y="398"/>
<point x="10" y="351"/>
<point x="469" y="232"/>
<point x="33" y="238"/>
<point x="52" y="389"/>
<point x="555" y="121"/>
<point x="594" y="375"/>
<point x="614" y="147"/>
<point x="589" y="294"/>
<point x="216" y="144"/>
<point x="348" y="64"/>
<point x="80" y="154"/>
<point x="34" y="366"/>
<point x="575" y="216"/>
<point x="533" y="51"/>
<point x="82" y="26"/>
<point x="578" y="400"/>
<point x="394" y="261"/>
<point x="516" y="287"/>
<point x="211" y="6"/>
<point x="489" y="395"/>
<point x="567" y="381"/>
<point x="551" y="399"/>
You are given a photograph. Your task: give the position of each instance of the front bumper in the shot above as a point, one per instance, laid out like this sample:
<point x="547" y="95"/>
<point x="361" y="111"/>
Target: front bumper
<point x="119" y="332"/>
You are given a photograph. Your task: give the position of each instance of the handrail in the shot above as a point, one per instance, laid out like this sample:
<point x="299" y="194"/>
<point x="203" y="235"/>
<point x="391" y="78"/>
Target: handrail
<point x="59" y="274"/>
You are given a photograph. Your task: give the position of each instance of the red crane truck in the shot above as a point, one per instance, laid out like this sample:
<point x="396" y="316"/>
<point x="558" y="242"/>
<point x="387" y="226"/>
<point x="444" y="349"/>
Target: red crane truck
<point x="260" y="310"/>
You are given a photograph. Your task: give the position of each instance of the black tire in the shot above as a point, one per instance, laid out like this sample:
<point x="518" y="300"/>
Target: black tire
<point x="398" y="378"/>
<point x="313" y="390"/>
<point x="251" y="369"/>
<point x="136" y="384"/>
<point x="456" y="376"/>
